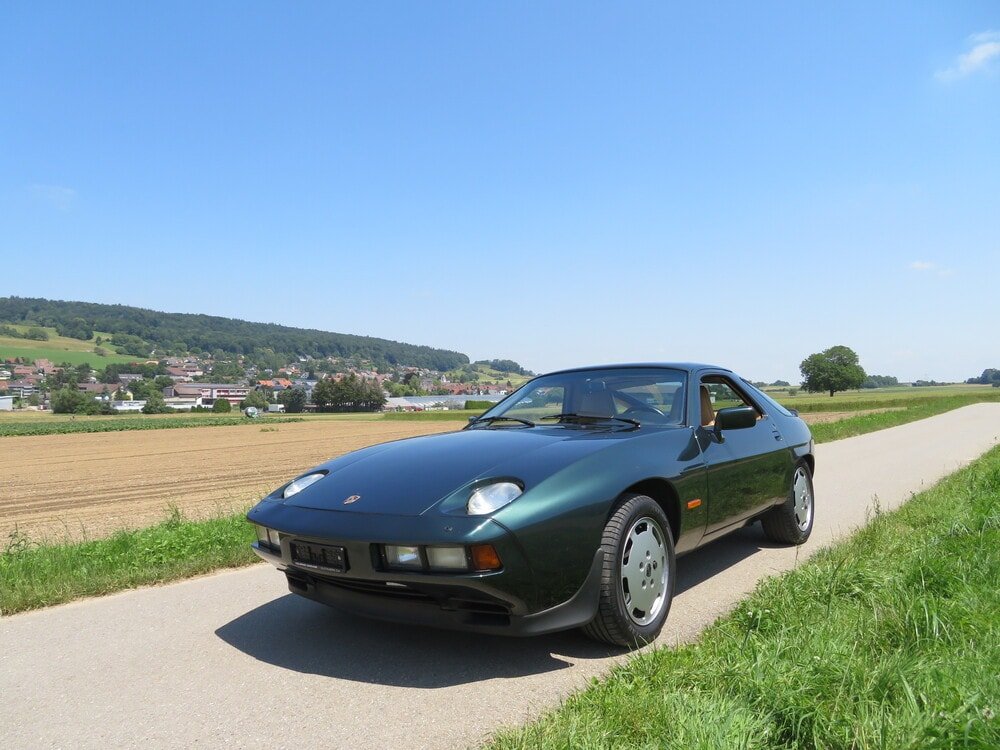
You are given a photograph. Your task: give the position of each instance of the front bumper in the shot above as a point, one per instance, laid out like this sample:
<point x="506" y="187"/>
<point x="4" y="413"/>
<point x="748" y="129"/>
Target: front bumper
<point x="506" y="601"/>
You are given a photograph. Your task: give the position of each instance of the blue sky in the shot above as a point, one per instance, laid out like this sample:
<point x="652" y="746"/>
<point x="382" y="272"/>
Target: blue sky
<point x="555" y="183"/>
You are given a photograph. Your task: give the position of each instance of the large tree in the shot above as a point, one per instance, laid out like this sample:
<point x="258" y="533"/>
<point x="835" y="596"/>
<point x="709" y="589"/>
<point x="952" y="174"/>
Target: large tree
<point x="294" y="399"/>
<point x="834" y="369"/>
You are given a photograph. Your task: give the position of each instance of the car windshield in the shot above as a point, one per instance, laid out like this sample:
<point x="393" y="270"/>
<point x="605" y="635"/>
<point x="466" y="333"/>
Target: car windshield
<point x="645" y="395"/>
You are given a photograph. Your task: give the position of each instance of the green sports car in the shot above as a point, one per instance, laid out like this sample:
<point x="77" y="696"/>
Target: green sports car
<point x="563" y="506"/>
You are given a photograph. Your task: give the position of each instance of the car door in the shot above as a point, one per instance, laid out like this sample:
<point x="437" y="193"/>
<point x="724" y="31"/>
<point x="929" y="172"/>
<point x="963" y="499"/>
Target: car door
<point x="748" y="468"/>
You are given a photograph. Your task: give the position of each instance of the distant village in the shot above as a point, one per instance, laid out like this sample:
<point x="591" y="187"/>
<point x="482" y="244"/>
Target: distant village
<point x="192" y="384"/>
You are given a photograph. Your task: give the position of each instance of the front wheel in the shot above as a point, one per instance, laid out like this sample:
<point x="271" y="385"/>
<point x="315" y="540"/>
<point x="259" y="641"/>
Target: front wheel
<point x="792" y="521"/>
<point x="637" y="581"/>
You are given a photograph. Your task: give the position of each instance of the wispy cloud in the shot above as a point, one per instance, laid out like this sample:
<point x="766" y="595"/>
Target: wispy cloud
<point x="925" y="266"/>
<point x="55" y="195"/>
<point x="983" y="49"/>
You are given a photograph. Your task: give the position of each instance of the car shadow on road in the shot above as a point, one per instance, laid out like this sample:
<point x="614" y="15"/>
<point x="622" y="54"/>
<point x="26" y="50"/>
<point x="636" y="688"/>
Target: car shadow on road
<point x="301" y="635"/>
<point x="294" y="633"/>
<point x="708" y="561"/>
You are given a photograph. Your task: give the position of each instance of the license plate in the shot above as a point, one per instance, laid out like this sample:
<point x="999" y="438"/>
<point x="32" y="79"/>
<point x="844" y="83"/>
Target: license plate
<point x="319" y="556"/>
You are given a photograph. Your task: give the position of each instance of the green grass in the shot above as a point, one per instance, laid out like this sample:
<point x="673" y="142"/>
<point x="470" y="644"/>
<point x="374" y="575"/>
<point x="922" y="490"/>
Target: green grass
<point x="920" y="409"/>
<point x="59" y="349"/>
<point x="456" y="415"/>
<point x="68" y="424"/>
<point x="874" y="398"/>
<point x="33" y="576"/>
<point x="889" y="640"/>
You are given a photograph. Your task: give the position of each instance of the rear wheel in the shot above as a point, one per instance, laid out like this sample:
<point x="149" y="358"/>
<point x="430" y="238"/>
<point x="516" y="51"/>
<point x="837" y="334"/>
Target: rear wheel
<point x="792" y="521"/>
<point x="637" y="581"/>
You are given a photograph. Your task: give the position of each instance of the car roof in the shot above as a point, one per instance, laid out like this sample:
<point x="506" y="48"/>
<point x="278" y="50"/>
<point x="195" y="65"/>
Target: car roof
<point x="688" y="366"/>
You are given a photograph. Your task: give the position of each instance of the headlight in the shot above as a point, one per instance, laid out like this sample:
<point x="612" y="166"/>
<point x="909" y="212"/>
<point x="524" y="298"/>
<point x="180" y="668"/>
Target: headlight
<point x="301" y="483"/>
<point x="406" y="558"/>
<point x="492" y="497"/>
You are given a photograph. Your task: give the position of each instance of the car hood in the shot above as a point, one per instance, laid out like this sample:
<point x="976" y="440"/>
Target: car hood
<point x="408" y="477"/>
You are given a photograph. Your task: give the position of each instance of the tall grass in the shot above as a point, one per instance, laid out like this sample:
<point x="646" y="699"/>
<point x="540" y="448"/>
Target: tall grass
<point x="889" y="640"/>
<point x="33" y="575"/>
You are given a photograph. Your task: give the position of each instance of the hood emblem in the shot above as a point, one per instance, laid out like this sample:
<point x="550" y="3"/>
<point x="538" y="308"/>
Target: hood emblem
<point x="352" y="499"/>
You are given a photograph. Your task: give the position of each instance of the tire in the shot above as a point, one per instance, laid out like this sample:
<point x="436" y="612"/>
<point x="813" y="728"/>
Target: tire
<point x="635" y="597"/>
<point x="792" y="521"/>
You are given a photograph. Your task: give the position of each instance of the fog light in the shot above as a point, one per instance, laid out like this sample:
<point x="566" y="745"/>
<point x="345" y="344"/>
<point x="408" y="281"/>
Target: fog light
<point x="485" y="557"/>
<point x="272" y="539"/>
<point x="403" y="557"/>
<point x="447" y="558"/>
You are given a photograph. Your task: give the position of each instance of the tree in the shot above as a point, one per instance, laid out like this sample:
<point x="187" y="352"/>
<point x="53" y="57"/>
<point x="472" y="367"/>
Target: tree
<point x="67" y="400"/>
<point x="155" y="404"/>
<point x="834" y="369"/>
<point x="294" y="399"/>
<point x="255" y="399"/>
<point x="325" y="394"/>
<point x="221" y="406"/>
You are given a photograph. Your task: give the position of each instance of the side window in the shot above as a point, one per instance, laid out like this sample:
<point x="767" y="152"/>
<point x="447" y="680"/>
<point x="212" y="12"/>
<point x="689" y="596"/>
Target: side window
<point x="717" y="393"/>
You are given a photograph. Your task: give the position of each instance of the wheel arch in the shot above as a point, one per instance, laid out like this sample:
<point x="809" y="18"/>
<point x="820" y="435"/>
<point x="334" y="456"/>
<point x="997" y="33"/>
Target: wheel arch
<point x="665" y="495"/>
<point x="810" y="461"/>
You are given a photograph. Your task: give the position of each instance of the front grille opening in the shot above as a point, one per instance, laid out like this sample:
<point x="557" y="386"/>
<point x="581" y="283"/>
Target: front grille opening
<point x="449" y="598"/>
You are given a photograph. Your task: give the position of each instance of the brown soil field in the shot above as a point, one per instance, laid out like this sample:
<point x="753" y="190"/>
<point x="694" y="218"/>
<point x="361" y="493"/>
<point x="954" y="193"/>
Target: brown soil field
<point x="59" y="487"/>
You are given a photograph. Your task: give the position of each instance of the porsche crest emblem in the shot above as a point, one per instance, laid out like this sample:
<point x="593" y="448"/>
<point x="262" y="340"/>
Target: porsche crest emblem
<point x="352" y="499"/>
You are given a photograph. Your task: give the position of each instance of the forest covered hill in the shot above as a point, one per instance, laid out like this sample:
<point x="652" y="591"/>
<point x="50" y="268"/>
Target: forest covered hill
<point x="141" y="332"/>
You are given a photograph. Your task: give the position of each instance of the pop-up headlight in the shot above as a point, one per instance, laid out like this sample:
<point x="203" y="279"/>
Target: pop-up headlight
<point x="491" y="497"/>
<point x="301" y="483"/>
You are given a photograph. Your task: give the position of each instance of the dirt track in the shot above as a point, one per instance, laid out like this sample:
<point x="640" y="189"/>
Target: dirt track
<point x="78" y="485"/>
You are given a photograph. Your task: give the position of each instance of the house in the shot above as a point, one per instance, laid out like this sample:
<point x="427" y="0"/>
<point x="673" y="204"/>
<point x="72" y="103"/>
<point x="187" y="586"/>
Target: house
<point x="6" y="403"/>
<point x="96" y="389"/>
<point x="209" y="392"/>
<point x="22" y="388"/>
<point x="127" y="377"/>
<point x="179" y="403"/>
<point x="45" y="367"/>
<point x="179" y="374"/>
<point x="128" y="406"/>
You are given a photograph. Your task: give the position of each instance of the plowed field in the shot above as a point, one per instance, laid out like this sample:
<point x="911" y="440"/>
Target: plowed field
<point x="87" y="485"/>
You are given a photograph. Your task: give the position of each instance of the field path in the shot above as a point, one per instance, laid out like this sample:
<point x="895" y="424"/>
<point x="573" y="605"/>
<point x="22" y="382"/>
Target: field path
<point x="234" y="660"/>
<point x="58" y="486"/>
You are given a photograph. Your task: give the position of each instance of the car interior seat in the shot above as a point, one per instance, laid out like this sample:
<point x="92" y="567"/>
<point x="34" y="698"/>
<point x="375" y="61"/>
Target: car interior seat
<point x="597" y="403"/>
<point x="707" y="412"/>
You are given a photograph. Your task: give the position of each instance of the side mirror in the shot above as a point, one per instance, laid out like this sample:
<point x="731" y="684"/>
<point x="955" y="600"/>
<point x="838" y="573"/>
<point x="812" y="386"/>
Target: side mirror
<point x="475" y="418"/>
<point x="735" y="418"/>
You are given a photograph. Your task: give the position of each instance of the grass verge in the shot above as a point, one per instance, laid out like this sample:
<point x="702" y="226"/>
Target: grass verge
<point x="120" y="424"/>
<point x="864" y="423"/>
<point x="33" y="576"/>
<point x="888" y="640"/>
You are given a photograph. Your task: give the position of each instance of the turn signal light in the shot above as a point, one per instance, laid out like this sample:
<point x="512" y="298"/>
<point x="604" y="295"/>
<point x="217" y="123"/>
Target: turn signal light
<point x="485" y="557"/>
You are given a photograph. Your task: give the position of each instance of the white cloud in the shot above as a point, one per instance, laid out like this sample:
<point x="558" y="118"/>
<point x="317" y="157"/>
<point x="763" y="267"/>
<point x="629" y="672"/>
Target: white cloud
<point x="984" y="48"/>
<point x="55" y="195"/>
<point x="925" y="265"/>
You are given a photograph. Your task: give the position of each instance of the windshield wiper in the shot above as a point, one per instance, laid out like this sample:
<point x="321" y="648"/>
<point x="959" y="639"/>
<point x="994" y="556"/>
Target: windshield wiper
<point x="491" y="420"/>
<point x="572" y="415"/>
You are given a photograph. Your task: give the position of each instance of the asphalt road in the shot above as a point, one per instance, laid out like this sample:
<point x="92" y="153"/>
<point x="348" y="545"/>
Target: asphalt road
<point x="234" y="660"/>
